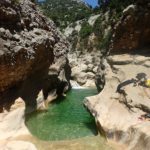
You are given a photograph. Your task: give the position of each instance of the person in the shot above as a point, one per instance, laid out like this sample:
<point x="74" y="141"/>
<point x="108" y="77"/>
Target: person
<point x="147" y="83"/>
<point x="141" y="78"/>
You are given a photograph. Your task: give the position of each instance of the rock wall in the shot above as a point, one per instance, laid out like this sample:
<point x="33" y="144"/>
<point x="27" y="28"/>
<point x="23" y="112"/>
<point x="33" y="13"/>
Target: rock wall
<point x="133" y="29"/>
<point x="82" y="58"/>
<point x="84" y="68"/>
<point x="120" y="105"/>
<point x="120" y="108"/>
<point x="33" y="54"/>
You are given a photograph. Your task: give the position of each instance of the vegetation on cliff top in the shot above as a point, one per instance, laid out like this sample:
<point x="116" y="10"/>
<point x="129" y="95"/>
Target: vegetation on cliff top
<point x="86" y="30"/>
<point x="65" y="12"/>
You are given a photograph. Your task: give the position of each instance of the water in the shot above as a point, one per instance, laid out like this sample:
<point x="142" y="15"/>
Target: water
<point x="65" y="119"/>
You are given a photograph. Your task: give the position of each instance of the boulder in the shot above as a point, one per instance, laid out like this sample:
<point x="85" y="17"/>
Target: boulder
<point x="95" y="69"/>
<point x="82" y="78"/>
<point x="89" y="83"/>
<point x="31" y="49"/>
<point x="84" y="67"/>
<point x="78" y="69"/>
<point x="90" y="67"/>
<point x="12" y="123"/>
<point x="90" y="75"/>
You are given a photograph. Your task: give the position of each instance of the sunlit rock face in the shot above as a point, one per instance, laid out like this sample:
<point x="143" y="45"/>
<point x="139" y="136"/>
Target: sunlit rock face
<point x="12" y="125"/>
<point x="133" y="30"/>
<point x="120" y="106"/>
<point x="29" y="45"/>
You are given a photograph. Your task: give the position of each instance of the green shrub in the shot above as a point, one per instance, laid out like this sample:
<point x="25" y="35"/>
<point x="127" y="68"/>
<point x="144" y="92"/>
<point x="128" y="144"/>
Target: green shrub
<point x="15" y="1"/>
<point x="118" y="5"/>
<point x="96" y="28"/>
<point x="86" y="30"/>
<point x="104" y="44"/>
<point x="73" y="25"/>
<point x="65" y="12"/>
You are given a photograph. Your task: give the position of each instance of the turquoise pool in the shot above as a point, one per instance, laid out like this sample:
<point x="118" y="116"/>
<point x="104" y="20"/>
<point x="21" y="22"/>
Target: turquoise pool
<point x="65" y="119"/>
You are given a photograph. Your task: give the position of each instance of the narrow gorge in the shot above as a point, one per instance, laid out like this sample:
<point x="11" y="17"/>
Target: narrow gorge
<point x="74" y="76"/>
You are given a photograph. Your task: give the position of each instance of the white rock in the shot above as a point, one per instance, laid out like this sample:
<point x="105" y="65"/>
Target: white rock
<point x="89" y="83"/>
<point x="116" y="111"/>
<point x="19" y="145"/>
<point x="12" y="123"/>
<point x="82" y="77"/>
<point x="90" y="67"/>
<point x="90" y="75"/>
<point x="129" y="10"/>
<point x="92" y="19"/>
<point x="95" y="69"/>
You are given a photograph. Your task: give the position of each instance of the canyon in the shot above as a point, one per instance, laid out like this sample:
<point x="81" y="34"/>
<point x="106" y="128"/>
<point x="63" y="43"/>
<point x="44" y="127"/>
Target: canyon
<point x="37" y="63"/>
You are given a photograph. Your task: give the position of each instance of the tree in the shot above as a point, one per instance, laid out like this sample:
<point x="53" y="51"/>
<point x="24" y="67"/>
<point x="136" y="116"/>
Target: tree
<point x="86" y="30"/>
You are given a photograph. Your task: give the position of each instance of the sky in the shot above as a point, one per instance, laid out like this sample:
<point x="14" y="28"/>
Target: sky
<point x="93" y="3"/>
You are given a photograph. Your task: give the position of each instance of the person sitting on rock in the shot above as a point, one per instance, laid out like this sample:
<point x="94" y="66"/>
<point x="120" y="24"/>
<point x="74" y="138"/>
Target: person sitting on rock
<point x="141" y="78"/>
<point x="147" y="83"/>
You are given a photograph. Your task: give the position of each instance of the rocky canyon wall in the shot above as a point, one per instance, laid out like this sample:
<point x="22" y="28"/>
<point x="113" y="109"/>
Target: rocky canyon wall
<point x="133" y="29"/>
<point x="119" y="109"/>
<point x="33" y="54"/>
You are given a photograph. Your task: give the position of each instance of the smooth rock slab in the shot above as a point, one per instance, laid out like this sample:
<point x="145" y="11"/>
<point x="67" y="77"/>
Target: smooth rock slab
<point x="119" y="113"/>
<point x="18" y="145"/>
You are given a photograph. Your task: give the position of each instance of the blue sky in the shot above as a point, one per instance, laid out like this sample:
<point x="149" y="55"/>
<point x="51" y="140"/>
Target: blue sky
<point x="93" y="3"/>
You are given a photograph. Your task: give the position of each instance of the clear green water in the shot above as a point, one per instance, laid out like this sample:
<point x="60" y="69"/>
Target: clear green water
<point x="65" y="119"/>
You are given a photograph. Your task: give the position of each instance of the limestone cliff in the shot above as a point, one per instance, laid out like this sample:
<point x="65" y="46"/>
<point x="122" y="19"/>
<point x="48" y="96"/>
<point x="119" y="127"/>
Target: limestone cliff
<point x="129" y="31"/>
<point x="133" y="29"/>
<point x="120" y="108"/>
<point x="122" y="102"/>
<point x="33" y="54"/>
